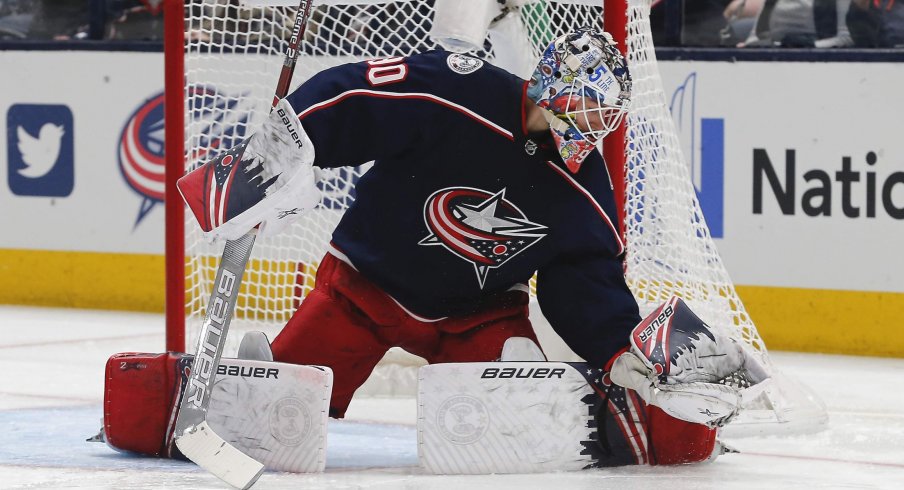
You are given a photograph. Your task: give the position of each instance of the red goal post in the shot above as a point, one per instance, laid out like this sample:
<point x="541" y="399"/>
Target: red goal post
<point x="221" y="64"/>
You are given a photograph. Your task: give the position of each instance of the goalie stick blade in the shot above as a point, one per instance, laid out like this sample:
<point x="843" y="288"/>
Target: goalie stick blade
<point x="209" y="451"/>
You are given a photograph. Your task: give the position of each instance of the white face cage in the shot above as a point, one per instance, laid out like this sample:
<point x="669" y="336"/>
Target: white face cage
<point x="589" y="114"/>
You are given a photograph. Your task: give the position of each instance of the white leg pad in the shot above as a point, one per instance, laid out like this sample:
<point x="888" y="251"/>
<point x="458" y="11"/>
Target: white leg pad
<point x="274" y="412"/>
<point x="502" y="417"/>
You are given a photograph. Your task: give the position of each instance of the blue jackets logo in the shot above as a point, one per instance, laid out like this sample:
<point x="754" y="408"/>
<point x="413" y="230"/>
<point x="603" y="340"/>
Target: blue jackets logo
<point x="40" y="150"/>
<point x="140" y="154"/>
<point x="480" y="227"/>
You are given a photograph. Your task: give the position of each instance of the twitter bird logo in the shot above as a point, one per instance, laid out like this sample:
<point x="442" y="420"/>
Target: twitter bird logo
<point x="40" y="150"/>
<point x="41" y="153"/>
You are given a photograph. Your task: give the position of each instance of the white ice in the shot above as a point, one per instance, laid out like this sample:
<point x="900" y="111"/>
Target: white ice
<point x="52" y="363"/>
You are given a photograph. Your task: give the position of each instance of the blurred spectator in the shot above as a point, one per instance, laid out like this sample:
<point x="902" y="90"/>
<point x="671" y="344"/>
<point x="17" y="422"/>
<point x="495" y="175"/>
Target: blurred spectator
<point x="15" y="19"/>
<point x="877" y="23"/>
<point x="43" y="19"/>
<point x="740" y="16"/>
<point x="343" y="28"/>
<point x="794" y="24"/>
<point x="134" y="20"/>
<point x="702" y="22"/>
<point x="230" y="22"/>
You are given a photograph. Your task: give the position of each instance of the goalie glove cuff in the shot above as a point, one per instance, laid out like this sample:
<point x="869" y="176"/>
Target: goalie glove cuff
<point x="711" y="404"/>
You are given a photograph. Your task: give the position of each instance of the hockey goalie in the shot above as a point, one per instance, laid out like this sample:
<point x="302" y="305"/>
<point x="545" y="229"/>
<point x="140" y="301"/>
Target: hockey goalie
<point x="480" y="181"/>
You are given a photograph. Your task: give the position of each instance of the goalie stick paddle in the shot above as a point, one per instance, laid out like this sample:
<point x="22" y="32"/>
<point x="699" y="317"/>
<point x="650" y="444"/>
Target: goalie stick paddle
<point x="192" y="435"/>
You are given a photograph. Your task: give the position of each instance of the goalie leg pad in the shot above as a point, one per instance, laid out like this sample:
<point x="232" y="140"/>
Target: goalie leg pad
<point x="503" y="417"/>
<point x="139" y="395"/>
<point x="274" y="412"/>
<point x="526" y="417"/>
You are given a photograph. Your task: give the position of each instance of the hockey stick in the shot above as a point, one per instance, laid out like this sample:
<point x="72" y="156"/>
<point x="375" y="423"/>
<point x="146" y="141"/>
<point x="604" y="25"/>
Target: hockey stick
<point x="192" y="435"/>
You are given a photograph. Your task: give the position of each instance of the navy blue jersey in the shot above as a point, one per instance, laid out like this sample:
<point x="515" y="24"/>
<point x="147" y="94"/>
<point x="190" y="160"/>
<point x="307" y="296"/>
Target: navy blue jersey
<point x="461" y="205"/>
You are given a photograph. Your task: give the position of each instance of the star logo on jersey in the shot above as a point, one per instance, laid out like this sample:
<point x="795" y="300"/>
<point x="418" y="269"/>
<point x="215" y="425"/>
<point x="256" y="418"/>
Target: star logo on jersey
<point x="479" y="227"/>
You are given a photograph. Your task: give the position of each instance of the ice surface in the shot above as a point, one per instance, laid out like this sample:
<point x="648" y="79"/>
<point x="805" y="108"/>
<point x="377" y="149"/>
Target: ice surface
<point x="52" y="364"/>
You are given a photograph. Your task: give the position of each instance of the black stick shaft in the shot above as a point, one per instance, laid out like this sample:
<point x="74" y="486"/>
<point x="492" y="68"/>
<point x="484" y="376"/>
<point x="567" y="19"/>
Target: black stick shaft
<point x="288" y="68"/>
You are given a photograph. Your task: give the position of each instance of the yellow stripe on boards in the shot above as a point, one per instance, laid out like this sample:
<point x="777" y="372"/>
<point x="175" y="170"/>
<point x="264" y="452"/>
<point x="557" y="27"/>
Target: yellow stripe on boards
<point x="271" y="289"/>
<point x="792" y="319"/>
<point x="830" y="321"/>
<point x="106" y="281"/>
<point x="135" y="282"/>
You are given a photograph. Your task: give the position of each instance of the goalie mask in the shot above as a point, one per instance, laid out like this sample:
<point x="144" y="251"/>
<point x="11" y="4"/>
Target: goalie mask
<point x="582" y="82"/>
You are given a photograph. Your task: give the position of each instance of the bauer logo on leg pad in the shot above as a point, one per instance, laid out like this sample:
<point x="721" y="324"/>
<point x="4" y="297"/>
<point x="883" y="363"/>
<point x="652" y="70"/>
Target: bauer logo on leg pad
<point x="540" y="373"/>
<point x="247" y="371"/>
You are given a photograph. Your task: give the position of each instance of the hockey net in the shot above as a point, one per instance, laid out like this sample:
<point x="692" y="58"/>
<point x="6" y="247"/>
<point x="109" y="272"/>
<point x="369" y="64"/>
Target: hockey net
<point x="233" y="51"/>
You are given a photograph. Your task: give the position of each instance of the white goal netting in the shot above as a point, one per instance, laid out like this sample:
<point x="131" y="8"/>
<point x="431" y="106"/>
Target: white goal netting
<point x="232" y="58"/>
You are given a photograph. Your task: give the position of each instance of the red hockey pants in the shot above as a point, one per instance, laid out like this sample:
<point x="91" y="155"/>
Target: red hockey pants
<point x="347" y="323"/>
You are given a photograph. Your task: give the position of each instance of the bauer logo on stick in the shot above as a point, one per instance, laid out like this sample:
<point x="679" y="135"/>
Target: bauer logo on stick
<point x="210" y="335"/>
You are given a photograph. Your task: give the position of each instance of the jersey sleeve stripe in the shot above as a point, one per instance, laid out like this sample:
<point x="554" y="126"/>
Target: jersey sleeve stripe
<point x="407" y="95"/>
<point x="596" y="205"/>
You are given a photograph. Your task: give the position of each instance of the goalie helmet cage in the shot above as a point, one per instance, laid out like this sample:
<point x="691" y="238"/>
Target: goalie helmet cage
<point x="222" y="61"/>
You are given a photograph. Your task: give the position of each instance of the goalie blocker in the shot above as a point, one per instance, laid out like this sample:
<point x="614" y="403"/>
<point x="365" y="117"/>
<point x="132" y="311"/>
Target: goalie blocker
<point x="273" y="412"/>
